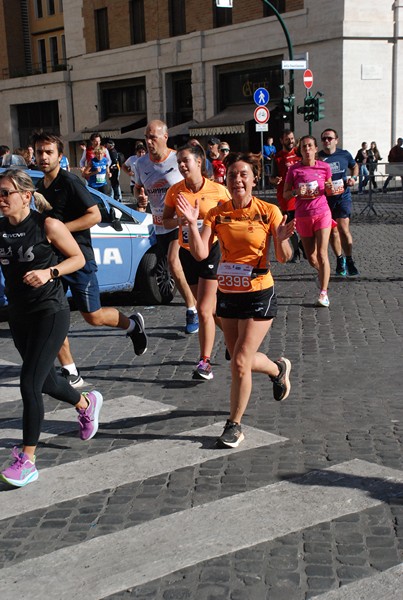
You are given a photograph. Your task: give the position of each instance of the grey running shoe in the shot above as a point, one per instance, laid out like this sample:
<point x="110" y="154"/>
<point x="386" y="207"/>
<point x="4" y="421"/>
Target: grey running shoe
<point x="232" y="435"/>
<point x="281" y="383"/>
<point x="138" y="335"/>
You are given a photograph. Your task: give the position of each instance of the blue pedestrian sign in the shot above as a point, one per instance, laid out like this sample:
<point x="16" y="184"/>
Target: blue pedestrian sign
<point x="261" y="97"/>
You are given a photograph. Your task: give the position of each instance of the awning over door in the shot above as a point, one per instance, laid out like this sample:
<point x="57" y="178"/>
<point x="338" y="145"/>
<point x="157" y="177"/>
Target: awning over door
<point x="181" y="129"/>
<point x="115" y="127"/>
<point x="231" y="120"/>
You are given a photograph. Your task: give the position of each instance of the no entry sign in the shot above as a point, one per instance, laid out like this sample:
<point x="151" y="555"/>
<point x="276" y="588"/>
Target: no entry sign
<point x="308" y="79"/>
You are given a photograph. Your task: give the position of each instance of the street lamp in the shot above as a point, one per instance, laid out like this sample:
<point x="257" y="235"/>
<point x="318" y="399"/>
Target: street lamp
<point x="229" y="4"/>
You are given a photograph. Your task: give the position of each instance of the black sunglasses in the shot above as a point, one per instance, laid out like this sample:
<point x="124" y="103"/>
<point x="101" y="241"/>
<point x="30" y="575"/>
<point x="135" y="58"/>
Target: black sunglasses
<point x="5" y="193"/>
<point x="327" y="138"/>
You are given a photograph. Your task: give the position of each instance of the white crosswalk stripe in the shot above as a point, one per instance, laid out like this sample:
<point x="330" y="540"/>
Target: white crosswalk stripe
<point x="10" y="391"/>
<point x="149" y="550"/>
<point x="94" y="569"/>
<point x="64" y="421"/>
<point x="126" y="465"/>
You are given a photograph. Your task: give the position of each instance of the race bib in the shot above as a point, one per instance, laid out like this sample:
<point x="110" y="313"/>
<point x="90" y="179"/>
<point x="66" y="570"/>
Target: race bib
<point x="100" y="177"/>
<point x="309" y="189"/>
<point x="234" y="277"/>
<point x="185" y="230"/>
<point x="157" y="220"/>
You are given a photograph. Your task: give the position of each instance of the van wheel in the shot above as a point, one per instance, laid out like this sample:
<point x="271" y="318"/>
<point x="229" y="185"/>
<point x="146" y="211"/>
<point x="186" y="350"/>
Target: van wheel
<point x="154" y="283"/>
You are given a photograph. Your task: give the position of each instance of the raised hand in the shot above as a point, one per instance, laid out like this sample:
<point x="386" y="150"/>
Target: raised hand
<point x="285" y="230"/>
<point x="188" y="212"/>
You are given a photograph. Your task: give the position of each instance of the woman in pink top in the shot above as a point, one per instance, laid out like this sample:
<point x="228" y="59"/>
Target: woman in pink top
<point x="308" y="181"/>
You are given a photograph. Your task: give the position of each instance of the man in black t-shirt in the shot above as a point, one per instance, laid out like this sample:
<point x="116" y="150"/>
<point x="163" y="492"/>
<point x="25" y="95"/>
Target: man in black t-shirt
<point x="73" y="204"/>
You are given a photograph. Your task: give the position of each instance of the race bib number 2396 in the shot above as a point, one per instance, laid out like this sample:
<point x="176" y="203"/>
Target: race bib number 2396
<point x="234" y="277"/>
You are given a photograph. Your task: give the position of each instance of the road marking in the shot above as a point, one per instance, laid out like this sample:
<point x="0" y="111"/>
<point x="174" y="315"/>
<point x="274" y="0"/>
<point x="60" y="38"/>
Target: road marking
<point x="11" y="388"/>
<point x="382" y="586"/>
<point x="7" y="363"/>
<point x="65" y="420"/>
<point x="10" y="391"/>
<point x="127" y="465"/>
<point x="115" y="562"/>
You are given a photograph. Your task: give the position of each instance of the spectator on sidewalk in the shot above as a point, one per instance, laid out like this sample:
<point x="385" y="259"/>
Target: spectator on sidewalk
<point x="269" y="150"/>
<point x="395" y="156"/>
<point x="361" y="160"/>
<point x="373" y="157"/>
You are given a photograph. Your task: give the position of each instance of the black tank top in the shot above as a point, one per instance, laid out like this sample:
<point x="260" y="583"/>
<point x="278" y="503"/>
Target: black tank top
<point x="24" y="247"/>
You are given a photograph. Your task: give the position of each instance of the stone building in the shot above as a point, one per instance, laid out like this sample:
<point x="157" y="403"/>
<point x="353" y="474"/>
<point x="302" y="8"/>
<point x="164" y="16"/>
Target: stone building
<point x="110" y="65"/>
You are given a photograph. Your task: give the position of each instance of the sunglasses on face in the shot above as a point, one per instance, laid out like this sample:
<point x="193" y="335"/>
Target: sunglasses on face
<point x="224" y="149"/>
<point x="327" y="139"/>
<point x="4" y="193"/>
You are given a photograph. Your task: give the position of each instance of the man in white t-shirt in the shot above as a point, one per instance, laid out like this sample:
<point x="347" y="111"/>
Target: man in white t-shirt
<point x="154" y="174"/>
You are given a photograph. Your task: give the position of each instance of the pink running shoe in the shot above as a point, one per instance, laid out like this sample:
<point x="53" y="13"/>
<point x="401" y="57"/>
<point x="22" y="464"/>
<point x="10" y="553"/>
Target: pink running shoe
<point x="21" y="472"/>
<point x="88" y="417"/>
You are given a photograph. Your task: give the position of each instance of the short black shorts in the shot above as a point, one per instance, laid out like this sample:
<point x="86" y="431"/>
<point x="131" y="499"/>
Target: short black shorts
<point x="203" y="269"/>
<point x="247" y="305"/>
<point x="164" y="239"/>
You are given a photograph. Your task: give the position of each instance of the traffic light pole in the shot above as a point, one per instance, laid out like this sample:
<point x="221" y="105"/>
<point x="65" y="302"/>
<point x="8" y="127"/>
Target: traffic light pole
<point x="290" y="55"/>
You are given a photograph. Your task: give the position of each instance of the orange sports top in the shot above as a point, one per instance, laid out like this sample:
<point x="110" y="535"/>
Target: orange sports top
<point x="208" y="196"/>
<point x="244" y="237"/>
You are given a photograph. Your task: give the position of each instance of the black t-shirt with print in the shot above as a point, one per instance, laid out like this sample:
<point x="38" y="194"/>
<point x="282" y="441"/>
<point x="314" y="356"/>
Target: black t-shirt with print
<point x="70" y="199"/>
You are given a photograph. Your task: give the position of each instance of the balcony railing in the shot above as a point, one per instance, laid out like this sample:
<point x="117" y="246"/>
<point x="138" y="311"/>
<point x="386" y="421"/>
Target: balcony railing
<point x="34" y="69"/>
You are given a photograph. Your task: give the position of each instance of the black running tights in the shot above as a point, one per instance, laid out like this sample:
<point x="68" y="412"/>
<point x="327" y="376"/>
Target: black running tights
<point x="38" y="340"/>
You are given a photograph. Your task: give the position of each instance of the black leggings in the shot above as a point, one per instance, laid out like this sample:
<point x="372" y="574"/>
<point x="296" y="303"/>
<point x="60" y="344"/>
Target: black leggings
<point x="38" y="340"/>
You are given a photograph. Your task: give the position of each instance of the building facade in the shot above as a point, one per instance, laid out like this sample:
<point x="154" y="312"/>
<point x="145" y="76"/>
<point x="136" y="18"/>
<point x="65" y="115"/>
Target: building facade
<point x="110" y="65"/>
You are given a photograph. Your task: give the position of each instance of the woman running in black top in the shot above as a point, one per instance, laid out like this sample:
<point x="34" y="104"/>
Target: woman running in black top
<point x="39" y="314"/>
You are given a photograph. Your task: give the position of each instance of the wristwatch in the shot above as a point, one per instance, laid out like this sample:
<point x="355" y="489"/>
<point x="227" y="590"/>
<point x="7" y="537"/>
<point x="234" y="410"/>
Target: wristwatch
<point x="54" y="273"/>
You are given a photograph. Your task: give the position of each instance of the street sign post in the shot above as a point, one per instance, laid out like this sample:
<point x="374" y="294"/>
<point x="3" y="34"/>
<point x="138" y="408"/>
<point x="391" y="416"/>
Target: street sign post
<point x="262" y="115"/>
<point x="308" y="79"/>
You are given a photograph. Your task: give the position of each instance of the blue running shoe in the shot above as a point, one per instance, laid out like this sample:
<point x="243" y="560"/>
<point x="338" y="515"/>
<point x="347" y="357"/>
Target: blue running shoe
<point x="192" y="322"/>
<point x="341" y="269"/>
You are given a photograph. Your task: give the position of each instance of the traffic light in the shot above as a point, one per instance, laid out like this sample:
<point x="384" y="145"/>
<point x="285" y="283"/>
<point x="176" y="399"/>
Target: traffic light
<point x="309" y="109"/>
<point x="288" y="104"/>
<point x="319" y="109"/>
